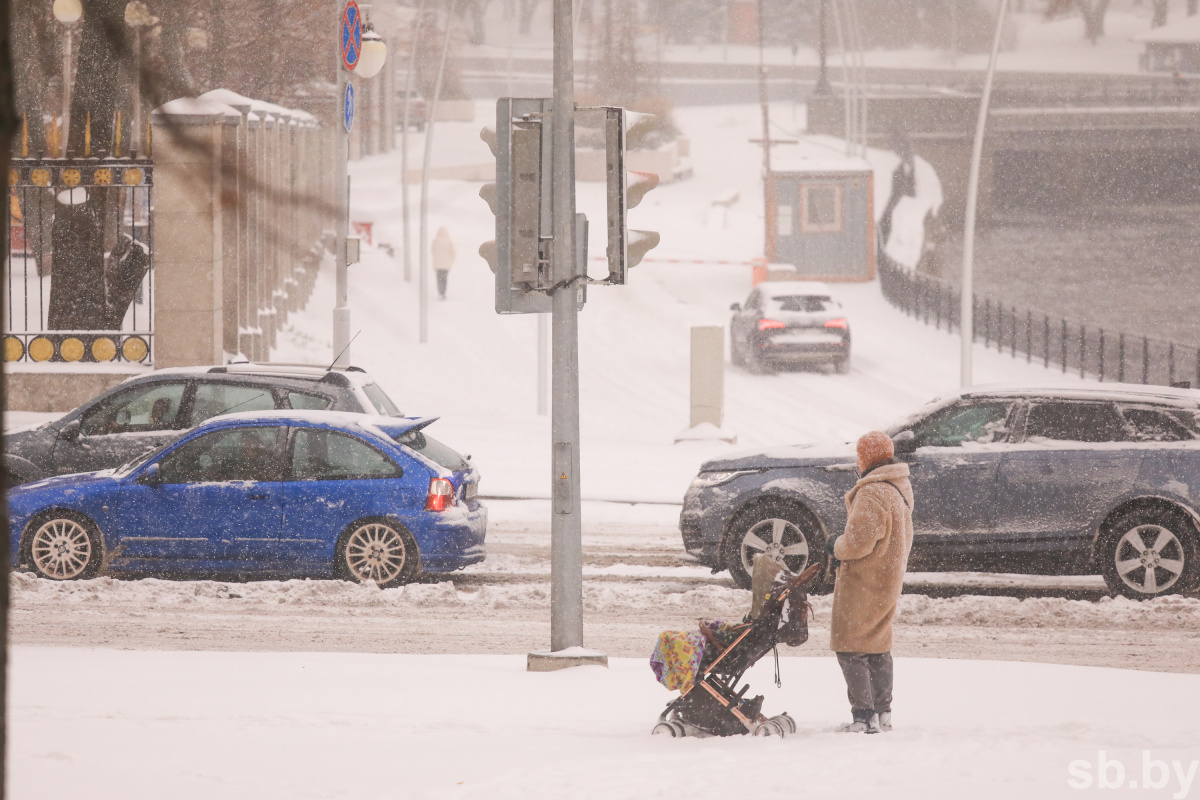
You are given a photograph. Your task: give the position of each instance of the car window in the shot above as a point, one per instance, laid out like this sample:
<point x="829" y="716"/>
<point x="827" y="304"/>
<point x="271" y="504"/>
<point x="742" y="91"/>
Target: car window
<point x="379" y="399"/>
<point x="964" y="423"/>
<point x="323" y="455"/>
<point x="215" y="399"/>
<point x="149" y="407"/>
<point x="440" y="454"/>
<point x="308" y="402"/>
<point x="1155" y="425"/>
<point x="804" y="303"/>
<point x="232" y="454"/>
<point x="1075" y="422"/>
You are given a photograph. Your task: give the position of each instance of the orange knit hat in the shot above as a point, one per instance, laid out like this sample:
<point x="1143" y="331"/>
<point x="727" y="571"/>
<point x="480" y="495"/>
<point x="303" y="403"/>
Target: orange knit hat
<point x="874" y="448"/>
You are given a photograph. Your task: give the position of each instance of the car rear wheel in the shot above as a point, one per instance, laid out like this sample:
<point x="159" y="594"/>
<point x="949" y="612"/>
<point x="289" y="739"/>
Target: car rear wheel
<point x="65" y="547"/>
<point x="380" y="552"/>
<point x="1150" y="552"/>
<point x="842" y="366"/>
<point x="778" y="529"/>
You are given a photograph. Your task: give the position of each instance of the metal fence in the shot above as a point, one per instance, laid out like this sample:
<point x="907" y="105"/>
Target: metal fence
<point x="1051" y="340"/>
<point x="118" y="287"/>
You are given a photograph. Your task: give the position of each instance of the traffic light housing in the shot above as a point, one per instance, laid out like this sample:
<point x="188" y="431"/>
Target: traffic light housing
<point x="625" y="190"/>
<point x="522" y="202"/>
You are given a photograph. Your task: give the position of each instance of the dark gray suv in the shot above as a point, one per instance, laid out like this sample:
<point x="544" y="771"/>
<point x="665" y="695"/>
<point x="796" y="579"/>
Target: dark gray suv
<point x="151" y="410"/>
<point x="1035" y="481"/>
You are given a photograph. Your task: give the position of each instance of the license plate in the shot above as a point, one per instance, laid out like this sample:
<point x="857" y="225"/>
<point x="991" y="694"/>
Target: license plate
<point x="470" y="490"/>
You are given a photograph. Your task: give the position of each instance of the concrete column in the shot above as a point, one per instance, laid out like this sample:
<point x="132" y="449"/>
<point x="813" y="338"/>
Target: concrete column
<point x="708" y="376"/>
<point x="252" y="335"/>
<point x="267" y="230"/>
<point x="189" y="302"/>
<point x="230" y="196"/>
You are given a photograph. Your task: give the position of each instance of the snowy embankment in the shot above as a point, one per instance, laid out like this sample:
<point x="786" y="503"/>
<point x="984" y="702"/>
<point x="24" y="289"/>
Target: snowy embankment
<point x="150" y="596"/>
<point x="112" y="723"/>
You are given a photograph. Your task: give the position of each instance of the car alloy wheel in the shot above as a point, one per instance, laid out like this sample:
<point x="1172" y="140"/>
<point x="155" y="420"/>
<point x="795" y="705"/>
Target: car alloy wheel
<point x="377" y="551"/>
<point x="63" y="549"/>
<point x="775" y="528"/>
<point x="1150" y="559"/>
<point x="778" y="538"/>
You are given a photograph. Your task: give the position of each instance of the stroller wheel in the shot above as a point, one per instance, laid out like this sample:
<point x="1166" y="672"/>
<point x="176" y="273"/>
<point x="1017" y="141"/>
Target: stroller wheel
<point x="786" y="723"/>
<point x="680" y="731"/>
<point x="666" y="729"/>
<point x="769" y="728"/>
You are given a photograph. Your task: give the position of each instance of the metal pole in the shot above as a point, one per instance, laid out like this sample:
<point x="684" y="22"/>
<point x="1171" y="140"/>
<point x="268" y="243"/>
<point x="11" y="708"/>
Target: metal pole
<point x="341" y="210"/>
<point x="966" y="378"/>
<point x="768" y="204"/>
<point x="566" y="548"/>
<point x="66" y="112"/>
<point x="543" y="364"/>
<point x="847" y="85"/>
<point x="823" y="48"/>
<point x="423" y="261"/>
<point x="408" y="87"/>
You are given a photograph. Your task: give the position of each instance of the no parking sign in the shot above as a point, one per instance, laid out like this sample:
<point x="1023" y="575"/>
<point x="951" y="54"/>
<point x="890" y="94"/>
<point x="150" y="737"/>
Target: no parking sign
<point x="351" y="35"/>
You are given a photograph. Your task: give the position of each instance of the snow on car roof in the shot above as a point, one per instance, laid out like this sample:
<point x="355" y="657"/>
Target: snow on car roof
<point x="775" y="289"/>
<point x="388" y="427"/>
<point x="1117" y="391"/>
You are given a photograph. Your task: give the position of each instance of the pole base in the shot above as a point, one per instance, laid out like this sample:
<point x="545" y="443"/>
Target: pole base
<point x="551" y="660"/>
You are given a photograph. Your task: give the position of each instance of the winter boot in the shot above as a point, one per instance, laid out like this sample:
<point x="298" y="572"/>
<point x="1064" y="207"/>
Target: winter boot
<point x="885" y="721"/>
<point x="864" y="722"/>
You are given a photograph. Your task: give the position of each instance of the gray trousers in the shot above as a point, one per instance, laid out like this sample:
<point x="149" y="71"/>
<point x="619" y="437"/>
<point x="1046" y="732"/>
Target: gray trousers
<point x="868" y="682"/>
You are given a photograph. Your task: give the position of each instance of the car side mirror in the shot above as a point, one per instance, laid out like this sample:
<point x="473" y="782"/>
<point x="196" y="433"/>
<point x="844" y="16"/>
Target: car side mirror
<point x="735" y="307"/>
<point x="151" y="476"/>
<point x="904" y="442"/>
<point x="70" y="431"/>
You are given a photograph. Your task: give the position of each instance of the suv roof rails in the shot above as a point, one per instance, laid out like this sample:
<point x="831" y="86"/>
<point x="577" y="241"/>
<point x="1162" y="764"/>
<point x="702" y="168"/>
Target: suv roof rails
<point x="282" y="367"/>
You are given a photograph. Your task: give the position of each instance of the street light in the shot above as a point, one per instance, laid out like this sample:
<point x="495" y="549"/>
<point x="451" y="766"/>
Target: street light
<point x="68" y="13"/>
<point x="372" y="55"/>
<point x="967" y="311"/>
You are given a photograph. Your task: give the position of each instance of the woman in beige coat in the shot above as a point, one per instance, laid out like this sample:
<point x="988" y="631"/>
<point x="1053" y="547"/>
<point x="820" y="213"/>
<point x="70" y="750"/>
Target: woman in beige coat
<point x="873" y="556"/>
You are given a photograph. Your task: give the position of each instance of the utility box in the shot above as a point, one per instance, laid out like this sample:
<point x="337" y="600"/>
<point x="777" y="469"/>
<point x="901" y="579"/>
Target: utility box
<point x="821" y="217"/>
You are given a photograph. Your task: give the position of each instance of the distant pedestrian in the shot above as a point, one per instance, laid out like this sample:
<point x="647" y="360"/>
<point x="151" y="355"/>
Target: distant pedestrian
<point x="873" y="556"/>
<point x="443" y="259"/>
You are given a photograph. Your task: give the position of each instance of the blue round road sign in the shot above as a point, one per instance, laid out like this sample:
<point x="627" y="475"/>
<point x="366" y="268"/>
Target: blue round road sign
<point x="351" y="35"/>
<point x="348" y="107"/>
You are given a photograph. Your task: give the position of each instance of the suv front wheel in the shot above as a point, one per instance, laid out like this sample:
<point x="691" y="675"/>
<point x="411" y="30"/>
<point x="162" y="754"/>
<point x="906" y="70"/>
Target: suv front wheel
<point x="776" y="528"/>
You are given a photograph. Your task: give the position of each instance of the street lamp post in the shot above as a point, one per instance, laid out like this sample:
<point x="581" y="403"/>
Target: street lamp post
<point x="363" y="51"/>
<point x="967" y="312"/>
<point x="68" y="13"/>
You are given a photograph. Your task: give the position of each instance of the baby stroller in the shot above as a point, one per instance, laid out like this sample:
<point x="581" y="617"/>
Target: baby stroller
<point x="713" y="705"/>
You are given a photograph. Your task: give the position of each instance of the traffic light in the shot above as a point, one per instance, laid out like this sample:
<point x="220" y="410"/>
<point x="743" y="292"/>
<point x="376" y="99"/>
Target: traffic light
<point x="625" y="190"/>
<point x="521" y="200"/>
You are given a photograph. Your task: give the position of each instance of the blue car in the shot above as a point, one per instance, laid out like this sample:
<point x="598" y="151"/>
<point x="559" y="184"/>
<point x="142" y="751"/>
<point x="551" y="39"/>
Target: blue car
<point x="295" y="493"/>
<point x="1018" y="480"/>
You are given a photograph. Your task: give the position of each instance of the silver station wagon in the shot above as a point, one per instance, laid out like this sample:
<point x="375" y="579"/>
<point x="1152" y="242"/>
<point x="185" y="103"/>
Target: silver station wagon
<point x="1036" y="481"/>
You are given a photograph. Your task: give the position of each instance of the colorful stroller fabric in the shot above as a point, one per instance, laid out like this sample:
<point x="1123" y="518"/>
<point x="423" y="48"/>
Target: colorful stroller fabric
<point x="677" y="656"/>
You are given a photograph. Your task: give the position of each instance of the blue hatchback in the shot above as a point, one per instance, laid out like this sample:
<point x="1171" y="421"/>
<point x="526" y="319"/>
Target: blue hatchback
<point x="271" y="493"/>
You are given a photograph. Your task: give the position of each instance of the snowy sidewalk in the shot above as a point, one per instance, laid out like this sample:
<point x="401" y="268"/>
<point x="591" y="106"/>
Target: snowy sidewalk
<point x="119" y="724"/>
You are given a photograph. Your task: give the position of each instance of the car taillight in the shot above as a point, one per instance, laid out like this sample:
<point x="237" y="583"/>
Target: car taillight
<point x="770" y="324"/>
<point x="836" y="323"/>
<point x="441" y="494"/>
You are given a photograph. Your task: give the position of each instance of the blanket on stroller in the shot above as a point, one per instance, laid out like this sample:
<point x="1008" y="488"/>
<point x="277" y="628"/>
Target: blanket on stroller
<point x="677" y="656"/>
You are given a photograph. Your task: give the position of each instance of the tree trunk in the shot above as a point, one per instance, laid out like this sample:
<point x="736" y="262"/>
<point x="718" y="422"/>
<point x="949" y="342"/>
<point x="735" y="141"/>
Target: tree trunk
<point x="525" y="20"/>
<point x="78" y="288"/>
<point x="1160" y="14"/>
<point x="1093" y="12"/>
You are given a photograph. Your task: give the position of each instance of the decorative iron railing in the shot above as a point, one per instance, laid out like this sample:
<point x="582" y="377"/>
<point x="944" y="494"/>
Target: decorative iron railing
<point x="78" y="267"/>
<point x="1072" y="346"/>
